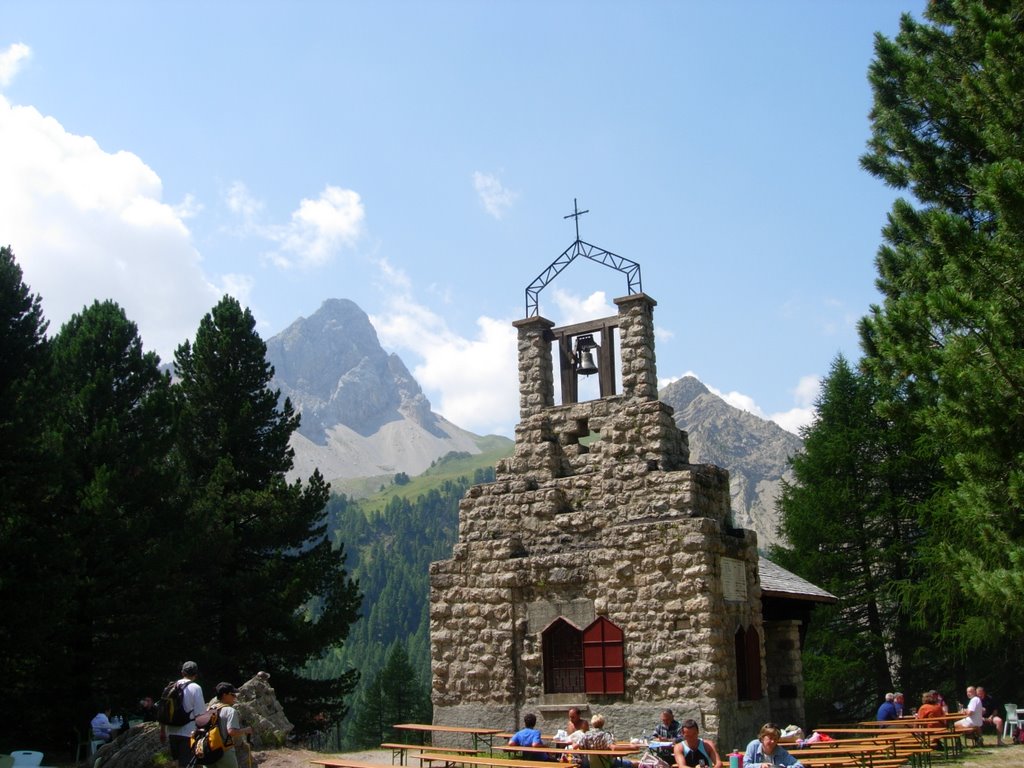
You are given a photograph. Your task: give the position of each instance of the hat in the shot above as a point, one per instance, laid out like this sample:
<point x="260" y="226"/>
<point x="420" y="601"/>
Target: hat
<point x="190" y="668"/>
<point x="225" y="688"/>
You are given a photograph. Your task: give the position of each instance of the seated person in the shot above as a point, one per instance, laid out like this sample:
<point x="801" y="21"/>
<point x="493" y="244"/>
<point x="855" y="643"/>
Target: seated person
<point x="888" y="709"/>
<point x="694" y="751"/>
<point x="765" y="749"/>
<point x="973" y="712"/>
<point x="990" y="714"/>
<point x="598" y="738"/>
<point x="930" y="706"/>
<point x="576" y="723"/>
<point x="528" y="736"/>
<point x="101" y="726"/>
<point x="668" y="728"/>
<point x="147" y="709"/>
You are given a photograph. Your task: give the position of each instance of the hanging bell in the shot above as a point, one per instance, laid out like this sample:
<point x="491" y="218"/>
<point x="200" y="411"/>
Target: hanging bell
<point x="585" y="347"/>
<point x="586" y="365"/>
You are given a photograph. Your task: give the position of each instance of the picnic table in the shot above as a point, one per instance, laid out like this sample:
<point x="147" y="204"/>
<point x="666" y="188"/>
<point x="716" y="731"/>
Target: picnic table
<point x="401" y="751"/>
<point x="557" y="749"/>
<point x="479" y="735"/>
<point x="476" y="761"/>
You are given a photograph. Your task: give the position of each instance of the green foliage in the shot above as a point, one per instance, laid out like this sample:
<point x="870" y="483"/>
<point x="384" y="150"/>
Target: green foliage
<point x="28" y="526"/>
<point x="260" y="543"/>
<point x="394" y="695"/>
<point x="850" y="519"/>
<point x="112" y="431"/>
<point x="390" y="553"/>
<point x="454" y="467"/>
<point x="946" y="127"/>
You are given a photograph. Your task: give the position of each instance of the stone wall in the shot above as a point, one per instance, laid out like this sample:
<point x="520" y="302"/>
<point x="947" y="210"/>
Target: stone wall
<point x="785" y="672"/>
<point x="621" y="527"/>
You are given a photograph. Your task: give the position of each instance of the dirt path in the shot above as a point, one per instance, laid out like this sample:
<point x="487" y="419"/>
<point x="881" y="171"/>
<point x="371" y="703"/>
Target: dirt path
<point x="299" y="758"/>
<point x="986" y="757"/>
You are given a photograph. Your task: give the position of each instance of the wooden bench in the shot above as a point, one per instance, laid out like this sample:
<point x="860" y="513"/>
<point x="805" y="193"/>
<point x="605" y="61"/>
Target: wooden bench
<point x="882" y="751"/>
<point x="401" y="750"/>
<point x="479" y="761"/>
<point x="451" y="760"/>
<point x="971" y="734"/>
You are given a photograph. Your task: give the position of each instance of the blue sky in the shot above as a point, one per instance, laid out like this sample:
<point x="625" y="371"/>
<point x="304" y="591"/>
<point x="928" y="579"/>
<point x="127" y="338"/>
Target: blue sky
<point x="419" y="158"/>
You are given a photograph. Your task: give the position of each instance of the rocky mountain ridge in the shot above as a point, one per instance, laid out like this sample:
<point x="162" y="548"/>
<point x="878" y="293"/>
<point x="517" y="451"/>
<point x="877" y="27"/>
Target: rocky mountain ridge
<point x="364" y="415"/>
<point x="754" y="450"/>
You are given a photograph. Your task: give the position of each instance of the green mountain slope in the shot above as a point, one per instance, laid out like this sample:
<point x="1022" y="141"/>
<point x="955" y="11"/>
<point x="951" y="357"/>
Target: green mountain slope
<point x="390" y="540"/>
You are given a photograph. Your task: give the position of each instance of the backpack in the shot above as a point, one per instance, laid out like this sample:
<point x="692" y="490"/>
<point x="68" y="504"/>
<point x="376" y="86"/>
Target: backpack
<point x="170" y="710"/>
<point x="208" y="741"/>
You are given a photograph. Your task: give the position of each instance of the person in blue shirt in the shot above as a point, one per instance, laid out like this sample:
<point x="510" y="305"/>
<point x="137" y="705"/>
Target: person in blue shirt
<point x="102" y="728"/>
<point x="888" y="709"/>
<point x="765" y="749"/>
<point x="528" y="736"/>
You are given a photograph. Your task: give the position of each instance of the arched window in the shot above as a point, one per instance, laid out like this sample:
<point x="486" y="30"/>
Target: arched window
<point x="604" y="658"/>
<point x="562" y="643"/>
<point x="748" y="664"/>
<point x="753" y="664"/>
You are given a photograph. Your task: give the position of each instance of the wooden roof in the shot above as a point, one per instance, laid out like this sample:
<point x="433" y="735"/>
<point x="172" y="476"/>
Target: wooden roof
<point x="776" y="581"/>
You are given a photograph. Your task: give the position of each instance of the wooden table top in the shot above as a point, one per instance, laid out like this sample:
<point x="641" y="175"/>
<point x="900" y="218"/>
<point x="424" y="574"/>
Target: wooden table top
<point x="616" y="751"/>
<point x="447" y="729"/>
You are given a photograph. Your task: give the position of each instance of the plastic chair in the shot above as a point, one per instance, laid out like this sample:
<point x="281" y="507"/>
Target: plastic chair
<point x="1012" y="719"/>
<point x="27" y="757"/>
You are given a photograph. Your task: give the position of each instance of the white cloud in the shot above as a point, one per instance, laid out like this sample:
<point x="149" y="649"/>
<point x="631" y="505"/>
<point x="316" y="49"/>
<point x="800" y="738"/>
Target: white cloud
<point x="11" y="61"/>
<point x="793" y="419"/>
<point x="804" y="394"/>
<point x="494" y="197"/>
<point x="239" y="286"/>
<point x="87" y="224"/>
<point x="807" y="390"/>
<point x="239" y="201"/>
<point x="317" y="231"/>
<point x="741" y="401"/>
<point x="472" y="382"/>
<point x="576" y="309"/>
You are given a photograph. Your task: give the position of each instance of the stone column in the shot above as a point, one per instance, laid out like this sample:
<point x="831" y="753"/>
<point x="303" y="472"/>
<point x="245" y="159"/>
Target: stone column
<point x="636" y="336"/>
<point x="536" y="376"/>
<point x="784" y="670"/>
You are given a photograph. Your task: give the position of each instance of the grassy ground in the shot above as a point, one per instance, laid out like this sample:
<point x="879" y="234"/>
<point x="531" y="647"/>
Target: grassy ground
<point x="989" y="757"/>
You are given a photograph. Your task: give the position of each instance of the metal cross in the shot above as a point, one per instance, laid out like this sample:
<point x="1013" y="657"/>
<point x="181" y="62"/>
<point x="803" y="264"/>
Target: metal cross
<point x="576" y="213"/>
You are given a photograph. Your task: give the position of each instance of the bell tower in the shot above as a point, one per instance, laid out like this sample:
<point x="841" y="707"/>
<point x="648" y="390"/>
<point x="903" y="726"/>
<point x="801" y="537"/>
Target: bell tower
<point x="601" y="569"/>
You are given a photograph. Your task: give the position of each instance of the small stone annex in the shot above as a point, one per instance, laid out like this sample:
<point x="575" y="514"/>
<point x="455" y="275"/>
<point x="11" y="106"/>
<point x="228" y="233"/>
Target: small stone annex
<point x="601" y="570"/>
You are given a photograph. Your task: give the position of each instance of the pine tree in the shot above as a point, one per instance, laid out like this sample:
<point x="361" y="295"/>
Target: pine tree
<point x="850" y="520"/>
<point x="111" y="427"/>
<point x="273" y="592"/>
<point x="946" y="127"/>
<point x="395" y="695"/>
<point x="26" y="532"/>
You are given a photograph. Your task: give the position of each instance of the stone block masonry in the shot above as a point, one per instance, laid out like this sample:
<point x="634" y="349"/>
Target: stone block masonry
<point x="598" y="513"/>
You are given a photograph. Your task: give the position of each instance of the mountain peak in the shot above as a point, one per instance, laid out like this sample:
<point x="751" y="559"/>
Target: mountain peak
<point x="335" y="371"/>
<point x="363" y="414"/>
<point x="684" y="391"/>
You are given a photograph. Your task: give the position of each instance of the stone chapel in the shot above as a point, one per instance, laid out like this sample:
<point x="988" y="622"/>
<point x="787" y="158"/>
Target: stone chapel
<point x="601" y="569"/>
